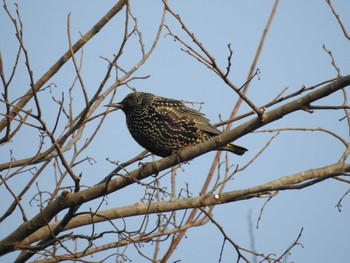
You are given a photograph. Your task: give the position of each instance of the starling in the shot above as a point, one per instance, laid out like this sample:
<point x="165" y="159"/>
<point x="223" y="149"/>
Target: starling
<point x="163" y="126"/>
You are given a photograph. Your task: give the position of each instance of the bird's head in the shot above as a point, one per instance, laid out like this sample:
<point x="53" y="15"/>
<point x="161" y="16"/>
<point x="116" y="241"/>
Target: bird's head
<point x="131" y="102"/>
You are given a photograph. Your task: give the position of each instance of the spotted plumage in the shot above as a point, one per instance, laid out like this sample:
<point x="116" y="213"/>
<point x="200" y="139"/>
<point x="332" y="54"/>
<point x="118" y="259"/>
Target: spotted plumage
<point x="163" y="126"/>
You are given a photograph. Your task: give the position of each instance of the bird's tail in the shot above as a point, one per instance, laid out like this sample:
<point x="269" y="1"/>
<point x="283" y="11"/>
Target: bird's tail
<point x="234" y="148"/>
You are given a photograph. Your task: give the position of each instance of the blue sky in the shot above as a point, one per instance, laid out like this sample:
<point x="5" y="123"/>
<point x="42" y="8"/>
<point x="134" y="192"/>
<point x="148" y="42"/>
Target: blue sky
<point x="292" y="57"/>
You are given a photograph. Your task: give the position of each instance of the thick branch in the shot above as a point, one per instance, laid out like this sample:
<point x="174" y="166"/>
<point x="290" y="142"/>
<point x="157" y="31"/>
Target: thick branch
<point x="71" y="199"/>
<point x="287" y="182"/>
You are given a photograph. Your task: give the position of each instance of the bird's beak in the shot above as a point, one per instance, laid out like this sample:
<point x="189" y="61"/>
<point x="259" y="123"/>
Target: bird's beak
<point x="118" y="105"/>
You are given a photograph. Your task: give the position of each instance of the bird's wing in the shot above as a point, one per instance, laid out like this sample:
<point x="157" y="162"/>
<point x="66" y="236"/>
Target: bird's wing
<point x="176" y="110"/>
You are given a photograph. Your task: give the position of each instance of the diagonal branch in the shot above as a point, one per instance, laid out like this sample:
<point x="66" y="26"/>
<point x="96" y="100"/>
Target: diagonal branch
<point x="67" y="200"/>
<point x="62" y="60"/>
<point x="289" y="182"/>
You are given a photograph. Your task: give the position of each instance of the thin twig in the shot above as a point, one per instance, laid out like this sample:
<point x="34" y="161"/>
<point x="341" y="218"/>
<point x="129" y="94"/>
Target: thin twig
<point x="338" y="19"/>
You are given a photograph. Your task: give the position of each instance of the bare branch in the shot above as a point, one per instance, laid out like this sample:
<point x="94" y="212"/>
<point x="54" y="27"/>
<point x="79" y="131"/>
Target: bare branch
<point x="54" y="69"/>
<point x="338" y="19"/>
<point x="332" y="59"/>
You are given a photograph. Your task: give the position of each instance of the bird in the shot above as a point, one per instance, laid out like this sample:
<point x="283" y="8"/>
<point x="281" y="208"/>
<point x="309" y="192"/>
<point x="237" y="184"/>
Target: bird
<point x="163" y="126"/>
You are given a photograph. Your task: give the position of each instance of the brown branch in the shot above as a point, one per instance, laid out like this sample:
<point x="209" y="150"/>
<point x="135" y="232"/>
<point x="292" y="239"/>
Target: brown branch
<point x="67" y="200"/>
<point x="273" y="194"/>
<point x="243" y="97"/>
<point x="22" y="120"/>
<point x="15" y="203"/>
<point x="343" y="107"/>
<point x="61" y="61"/>
<point x="332" y="60"/>
<point x="80" y="123"/>
<point x="339" y="204"/>
<point x="344" y="142"/>
<point x="20" y="195"/>
<point x="76" y="67"/>
<point x="95" y="101"/>
<point x="210" y="62"/>
<point x="6" y="136"/>
<point x="123" y="242"/>
<point x="296" y="242"/>
<point x="338" y="19"/>
<point x="226" y="237"/>
<point x="229" y="58"/>
<point x="278" y="99"/>
<point x="282" y="183"/>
